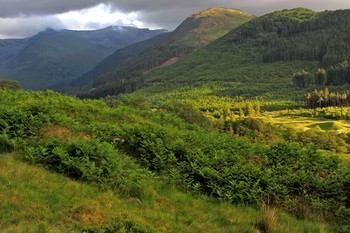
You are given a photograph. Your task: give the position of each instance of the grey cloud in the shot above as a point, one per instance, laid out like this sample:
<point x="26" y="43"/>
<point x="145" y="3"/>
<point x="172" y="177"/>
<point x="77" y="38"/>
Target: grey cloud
<point x="14" y="8"/>
<point x="161" y="8"/>
<point x="169" y="14"/>
<point x="155" y="13"/>
<point x="22" y="27"/>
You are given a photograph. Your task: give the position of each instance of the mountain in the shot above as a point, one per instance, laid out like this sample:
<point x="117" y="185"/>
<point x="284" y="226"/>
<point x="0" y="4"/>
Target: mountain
<point x="118" y="58"/>
<point x="194" y="33"/>
<point x="52" y="58"/>
<point x="116" y="37"/>
<point x="10" y="48"/>
<point x="260" y="57"/>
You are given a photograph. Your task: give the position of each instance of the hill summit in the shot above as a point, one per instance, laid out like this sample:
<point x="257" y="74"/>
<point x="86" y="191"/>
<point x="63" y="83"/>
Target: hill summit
<point x="208" y="25"/>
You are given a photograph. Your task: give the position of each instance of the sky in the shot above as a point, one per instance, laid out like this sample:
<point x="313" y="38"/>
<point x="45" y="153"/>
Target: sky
<point x="24" y="18"/>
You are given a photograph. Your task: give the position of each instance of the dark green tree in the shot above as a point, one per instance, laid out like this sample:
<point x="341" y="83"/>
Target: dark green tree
<point x="321" y="77"/>
<point x="10" y="84"/>
<point x="303" y="79"/>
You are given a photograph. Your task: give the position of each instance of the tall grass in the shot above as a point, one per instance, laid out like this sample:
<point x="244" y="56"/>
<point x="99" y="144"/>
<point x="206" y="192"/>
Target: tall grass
<point x="268" y="218"/>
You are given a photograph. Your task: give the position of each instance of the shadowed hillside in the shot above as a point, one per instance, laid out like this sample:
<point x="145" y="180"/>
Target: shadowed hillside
<point x="52" y="59"/>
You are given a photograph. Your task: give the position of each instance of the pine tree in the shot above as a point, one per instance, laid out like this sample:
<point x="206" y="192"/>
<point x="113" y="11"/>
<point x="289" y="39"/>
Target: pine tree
<point x="321" y="77"/>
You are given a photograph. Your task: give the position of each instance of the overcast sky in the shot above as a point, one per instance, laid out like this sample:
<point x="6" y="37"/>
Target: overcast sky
<point x="23" y="18"/>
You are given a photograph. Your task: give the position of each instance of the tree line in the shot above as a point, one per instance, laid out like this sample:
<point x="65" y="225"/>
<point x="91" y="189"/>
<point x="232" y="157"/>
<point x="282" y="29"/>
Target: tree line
<point x="337" y="75"/>
<point x="10" y="84"/>
<point x="324" y="98"/>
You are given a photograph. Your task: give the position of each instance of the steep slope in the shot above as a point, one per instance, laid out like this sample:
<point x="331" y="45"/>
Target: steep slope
<point x="53" y="58"/>
<point x="10" y="48"/>
<point x="194" y="33"/>
<point x="259" y="58"/>
<point x="117" y="58"/>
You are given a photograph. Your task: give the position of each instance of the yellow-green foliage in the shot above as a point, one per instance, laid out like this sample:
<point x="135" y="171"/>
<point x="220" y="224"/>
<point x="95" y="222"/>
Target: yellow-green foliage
<point x="125" y="149"/>
<point x="36" y="200"/>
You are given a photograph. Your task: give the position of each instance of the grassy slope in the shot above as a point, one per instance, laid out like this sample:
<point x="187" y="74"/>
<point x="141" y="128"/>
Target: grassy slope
<point x="36" y="200"/>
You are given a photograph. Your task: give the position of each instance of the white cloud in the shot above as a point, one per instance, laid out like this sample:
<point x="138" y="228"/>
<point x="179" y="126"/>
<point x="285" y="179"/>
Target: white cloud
<point x="97" y="17"/>
<point x="91" y="18"/>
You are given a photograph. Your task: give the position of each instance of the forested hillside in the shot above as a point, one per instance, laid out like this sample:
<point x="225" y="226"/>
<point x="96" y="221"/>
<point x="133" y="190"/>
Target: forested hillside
<point x="263" y="53"/>
<point x="194" y="33"/>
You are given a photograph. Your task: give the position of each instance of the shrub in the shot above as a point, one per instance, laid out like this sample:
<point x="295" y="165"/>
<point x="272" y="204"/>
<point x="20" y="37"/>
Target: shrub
<point x="89" y="160"/>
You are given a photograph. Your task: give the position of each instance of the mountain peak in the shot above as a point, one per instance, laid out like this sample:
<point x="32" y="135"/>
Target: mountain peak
<point x="209" y="24"/>
<point x="218" y="11"/>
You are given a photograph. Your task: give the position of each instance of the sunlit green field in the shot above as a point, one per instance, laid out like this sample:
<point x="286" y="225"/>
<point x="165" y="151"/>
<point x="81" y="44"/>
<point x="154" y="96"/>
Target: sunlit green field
<point x="307" y="123"/>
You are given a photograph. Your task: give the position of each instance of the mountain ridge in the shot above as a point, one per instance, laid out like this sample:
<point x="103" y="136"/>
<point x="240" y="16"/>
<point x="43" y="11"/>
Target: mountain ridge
<point x="51" y="58"/>
<point x="260" y="57"/>
<point x="193" y="33"/>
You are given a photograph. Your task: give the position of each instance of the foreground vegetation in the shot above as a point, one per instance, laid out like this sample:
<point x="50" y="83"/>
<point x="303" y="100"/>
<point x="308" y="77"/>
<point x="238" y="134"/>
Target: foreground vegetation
<point x="37" y="200"/>
<point x="149" y="155"/>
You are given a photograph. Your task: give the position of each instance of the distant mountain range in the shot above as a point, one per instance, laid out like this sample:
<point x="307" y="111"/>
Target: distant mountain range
<point x="51" y="59"/>
<point x="109" y="76"/>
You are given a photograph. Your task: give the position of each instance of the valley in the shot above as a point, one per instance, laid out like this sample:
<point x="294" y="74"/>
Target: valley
<point x="230" y="123"/>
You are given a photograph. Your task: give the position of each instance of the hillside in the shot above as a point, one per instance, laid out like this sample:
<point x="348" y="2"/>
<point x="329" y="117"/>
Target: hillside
<point x="10" y="48"/>
<point x="48" y="202"/>
<point x="117" y="58"/>
<point x="129" y="169"/>
<point x="257" y="59"/>
<point x="52" y="59"/>
<point x="264" y="54"/>
<point x="195" y="32"/>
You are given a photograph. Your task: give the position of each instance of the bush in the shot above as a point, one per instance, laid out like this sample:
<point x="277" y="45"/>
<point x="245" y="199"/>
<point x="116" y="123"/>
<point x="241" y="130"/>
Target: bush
<point x="89" y="160"/>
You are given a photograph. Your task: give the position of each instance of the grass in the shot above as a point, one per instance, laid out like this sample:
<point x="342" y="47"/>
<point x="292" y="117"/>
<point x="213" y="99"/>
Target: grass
<point x="306" y="123"/>
<point x="268" y="218"/>
<point x="36" y="200"/>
